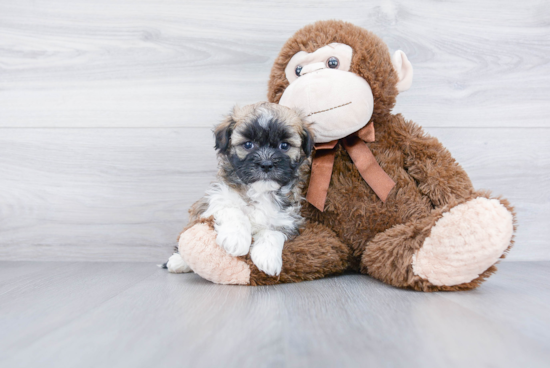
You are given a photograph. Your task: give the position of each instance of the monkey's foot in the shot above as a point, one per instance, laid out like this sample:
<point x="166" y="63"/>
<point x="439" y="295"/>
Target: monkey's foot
<point x="198" y="247"/>
<point x="464" y="242"/>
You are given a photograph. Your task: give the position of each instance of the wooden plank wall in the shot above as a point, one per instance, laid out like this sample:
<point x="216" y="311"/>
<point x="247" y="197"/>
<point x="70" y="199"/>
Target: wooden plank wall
<point x="106" y="108"/>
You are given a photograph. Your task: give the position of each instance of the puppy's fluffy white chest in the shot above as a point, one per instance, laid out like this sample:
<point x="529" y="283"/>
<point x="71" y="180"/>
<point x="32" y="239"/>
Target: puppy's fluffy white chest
<point x="261" y="206"/>
<point x="264" y="209"/>
<point x="258" y="214"/>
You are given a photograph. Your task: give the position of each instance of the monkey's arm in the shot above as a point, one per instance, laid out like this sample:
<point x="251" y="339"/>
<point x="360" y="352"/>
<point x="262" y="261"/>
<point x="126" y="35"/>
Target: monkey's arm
<point x="437" y="173"/>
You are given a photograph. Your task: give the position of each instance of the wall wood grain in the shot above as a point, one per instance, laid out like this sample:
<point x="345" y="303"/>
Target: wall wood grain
<point x="106" y="108"/>
<point x="123" y="194"/>
<point x="128" y="63"/>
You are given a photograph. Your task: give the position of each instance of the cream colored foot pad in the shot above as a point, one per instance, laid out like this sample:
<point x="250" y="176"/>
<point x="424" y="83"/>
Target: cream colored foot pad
<point x="465" y="242"/>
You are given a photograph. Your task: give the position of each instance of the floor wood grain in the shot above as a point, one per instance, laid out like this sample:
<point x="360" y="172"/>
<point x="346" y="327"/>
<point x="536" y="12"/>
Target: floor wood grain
<point x="136" y="315"/>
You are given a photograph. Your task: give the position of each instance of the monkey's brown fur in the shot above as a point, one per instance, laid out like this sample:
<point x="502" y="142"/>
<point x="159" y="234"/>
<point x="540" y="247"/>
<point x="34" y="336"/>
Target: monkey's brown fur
<point x="372" y="237"/>
<point x="357" y="231"/>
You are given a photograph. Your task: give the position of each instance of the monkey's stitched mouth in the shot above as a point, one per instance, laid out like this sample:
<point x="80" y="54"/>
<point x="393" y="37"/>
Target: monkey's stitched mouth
<point x="332" y="108"/>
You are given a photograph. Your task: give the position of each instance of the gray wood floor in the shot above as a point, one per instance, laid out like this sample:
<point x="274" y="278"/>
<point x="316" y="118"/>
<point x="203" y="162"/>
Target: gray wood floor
<point x="137" y="315"/>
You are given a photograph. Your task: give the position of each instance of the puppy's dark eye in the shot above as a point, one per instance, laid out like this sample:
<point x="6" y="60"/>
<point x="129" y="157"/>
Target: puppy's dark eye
<point x="333" y="62"/>
<point x="298" y="70"/>
<point x="248" y="145"/>
<point x="284" y="146"/>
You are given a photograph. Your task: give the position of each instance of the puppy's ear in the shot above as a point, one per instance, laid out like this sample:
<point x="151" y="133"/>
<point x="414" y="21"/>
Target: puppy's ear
<point x="222" y="133"/>
<point x="308" y="141"/>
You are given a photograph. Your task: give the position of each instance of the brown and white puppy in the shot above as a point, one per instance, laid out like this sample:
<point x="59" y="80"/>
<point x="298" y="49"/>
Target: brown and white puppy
<point x="263" y="150"/>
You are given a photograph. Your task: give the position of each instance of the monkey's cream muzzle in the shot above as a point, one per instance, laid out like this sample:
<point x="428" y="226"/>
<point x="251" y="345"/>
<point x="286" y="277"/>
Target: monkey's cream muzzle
<point x="337" y="103"/>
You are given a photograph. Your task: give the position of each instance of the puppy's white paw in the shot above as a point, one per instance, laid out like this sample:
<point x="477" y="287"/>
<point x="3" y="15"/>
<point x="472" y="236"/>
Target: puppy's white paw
<point x="234" y="237"/>
<point x="267" y="251"/>
<point x="176" y="264"/>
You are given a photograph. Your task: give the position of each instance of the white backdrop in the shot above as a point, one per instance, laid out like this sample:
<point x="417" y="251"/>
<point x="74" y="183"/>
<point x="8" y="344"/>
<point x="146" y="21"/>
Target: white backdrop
<point x="106" y="108"/>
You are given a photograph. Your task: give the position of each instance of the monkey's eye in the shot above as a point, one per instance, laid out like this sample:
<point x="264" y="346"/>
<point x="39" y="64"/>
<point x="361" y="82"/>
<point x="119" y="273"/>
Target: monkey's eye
<point x="284" y="146"/>
<point x="248" y="145"/>
<point x="333" y="62"/>
<point x="298" y="70"/>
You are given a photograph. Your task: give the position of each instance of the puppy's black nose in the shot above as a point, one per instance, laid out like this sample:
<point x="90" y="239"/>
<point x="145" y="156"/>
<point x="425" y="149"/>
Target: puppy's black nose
<point x="266" y="165"/>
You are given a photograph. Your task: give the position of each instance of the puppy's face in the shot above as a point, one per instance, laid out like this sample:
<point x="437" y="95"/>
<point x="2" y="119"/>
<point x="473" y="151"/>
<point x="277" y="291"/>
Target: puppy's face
<point x="265" y="142"/>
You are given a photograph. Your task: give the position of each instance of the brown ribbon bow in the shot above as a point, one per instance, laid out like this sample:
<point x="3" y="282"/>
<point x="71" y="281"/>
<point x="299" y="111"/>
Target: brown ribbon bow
<point x="362" y="157"/>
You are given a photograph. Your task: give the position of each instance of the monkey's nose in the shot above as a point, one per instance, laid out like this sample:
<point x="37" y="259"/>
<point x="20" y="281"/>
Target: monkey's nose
<point x="266" y="165"/>
<point x="312" y="68"/>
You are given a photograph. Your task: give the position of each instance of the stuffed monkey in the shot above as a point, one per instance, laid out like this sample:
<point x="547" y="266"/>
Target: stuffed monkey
<point x="384" y="198"/>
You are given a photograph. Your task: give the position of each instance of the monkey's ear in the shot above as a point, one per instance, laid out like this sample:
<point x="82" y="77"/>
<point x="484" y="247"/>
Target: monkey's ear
<point x="222" y="133"/>
<point x="404" y="70"/>
<point x="308" y="141"/>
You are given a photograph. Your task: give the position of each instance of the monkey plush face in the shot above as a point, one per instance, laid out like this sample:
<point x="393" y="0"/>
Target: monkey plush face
<point x="322" y="85"/>
<point x="340" y="76"/>
<point x="263" y="142"/>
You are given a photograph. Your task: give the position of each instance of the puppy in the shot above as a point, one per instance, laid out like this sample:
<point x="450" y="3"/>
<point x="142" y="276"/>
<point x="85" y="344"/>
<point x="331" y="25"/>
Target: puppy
<point x="263" y="151"/>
